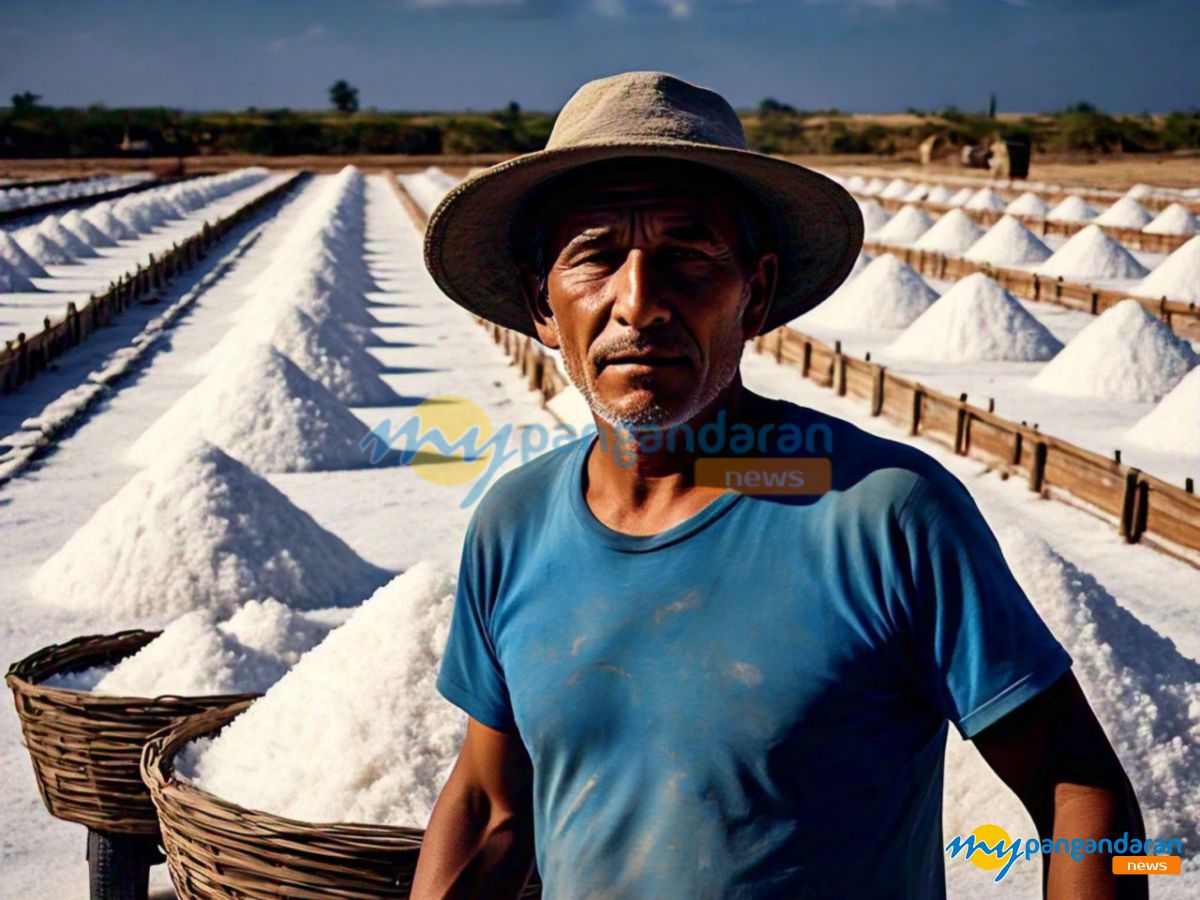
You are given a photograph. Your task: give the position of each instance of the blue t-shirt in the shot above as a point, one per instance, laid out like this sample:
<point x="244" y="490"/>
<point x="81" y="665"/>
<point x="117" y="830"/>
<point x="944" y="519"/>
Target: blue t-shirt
<point x="754" y="702"/>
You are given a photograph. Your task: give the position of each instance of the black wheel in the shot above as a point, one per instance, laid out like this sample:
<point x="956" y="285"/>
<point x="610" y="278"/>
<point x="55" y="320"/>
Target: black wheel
<point x="119" y="865"/>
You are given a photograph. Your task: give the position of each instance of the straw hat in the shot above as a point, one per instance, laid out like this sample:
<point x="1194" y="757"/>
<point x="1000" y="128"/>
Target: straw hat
<point x="469" y="244"/>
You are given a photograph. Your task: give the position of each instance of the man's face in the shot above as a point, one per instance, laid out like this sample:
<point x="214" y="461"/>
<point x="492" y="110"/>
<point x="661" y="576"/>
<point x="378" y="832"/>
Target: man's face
<point x="649" y="297"/>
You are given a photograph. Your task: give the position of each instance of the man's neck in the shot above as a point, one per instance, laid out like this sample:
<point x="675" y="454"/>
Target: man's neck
<point x="644" y="483"/>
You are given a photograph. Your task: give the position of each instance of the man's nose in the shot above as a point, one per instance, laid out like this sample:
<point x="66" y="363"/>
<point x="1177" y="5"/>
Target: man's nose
<point x="639" y="303"/>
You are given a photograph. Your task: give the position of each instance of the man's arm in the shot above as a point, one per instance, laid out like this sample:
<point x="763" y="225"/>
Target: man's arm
<point x="479" y="842"/>
<point x="1055" y="756"/>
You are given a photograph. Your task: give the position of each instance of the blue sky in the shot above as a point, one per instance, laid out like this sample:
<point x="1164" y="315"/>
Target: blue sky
<point x="859" y="55"/>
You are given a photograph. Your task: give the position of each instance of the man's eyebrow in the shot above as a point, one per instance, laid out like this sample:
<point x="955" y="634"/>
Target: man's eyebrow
<point x="694" y="232"/>
<point x="598" y="235"/>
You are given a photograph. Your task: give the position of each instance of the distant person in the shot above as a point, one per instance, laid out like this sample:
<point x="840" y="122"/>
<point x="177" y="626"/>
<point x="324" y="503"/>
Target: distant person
<point x="679" y="690"/>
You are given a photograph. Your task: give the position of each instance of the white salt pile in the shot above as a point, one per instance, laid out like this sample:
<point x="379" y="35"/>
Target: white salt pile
<point x="860" y="262"/>
<point x="1125" y="213"/>
<point x="101" y="215"/>
<point x="985" y="199"/>
<point x="873" y="187"/>
<point x="322" y="350"/>
<point x="1177" y="277"/>
<point x="1092" y="253"/>
<point x="953" y="233"/>
<point x="854" y="184"/>
<point x="12" y="281"/>
<point x="888" y="293"/>
<point x="960" y="197"/>
<point x="940" y="194"/>
<point x="874" y="216"/>
<point x="1173" y="426"/>
<point x="196" y="655"/>
<point x="1125" y="354"/>
<point x="1144" y="692"/>
<point x="64" y="237"/>
<point x="264" y="411"/>
<point x="917" y="194"/>
<point x="356" y="731"/>
<point x="85" y="230"/>
<point x="199" y="530"/>
<point x="1072" y="209"/>
<point x="1028" y="204"/>
<point x="428" y="188"/>
<point x="976" y="320"/>
<point x="1008" y="243"/>
<point x="14" y="257"/>
<point x="47" y="252"/>
<point x="895" y="189"/>
<point x="905" y="227"/>
<point x="1175" y="219"/>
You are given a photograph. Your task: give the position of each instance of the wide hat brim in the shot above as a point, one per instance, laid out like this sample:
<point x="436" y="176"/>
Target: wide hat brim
<point x="470" y="252"/>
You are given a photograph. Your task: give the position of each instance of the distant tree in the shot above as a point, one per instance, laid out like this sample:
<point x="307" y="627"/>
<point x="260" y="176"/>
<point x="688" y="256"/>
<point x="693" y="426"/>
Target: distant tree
<point x="992" y="106"/>
<point x="343" y="96"/>
<point x="24" y="103"/>
<point x="770" y="106"/>
<point x="510" y="116"/>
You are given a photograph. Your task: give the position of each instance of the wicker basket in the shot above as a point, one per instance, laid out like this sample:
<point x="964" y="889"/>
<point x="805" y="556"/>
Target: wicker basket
<point x="86" y="748"/>
<point x="219" y="849"/>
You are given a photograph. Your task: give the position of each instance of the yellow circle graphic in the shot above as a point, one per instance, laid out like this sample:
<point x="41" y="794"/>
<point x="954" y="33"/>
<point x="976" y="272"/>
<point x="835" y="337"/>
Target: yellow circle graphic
<point x="461" y="452"/>
<point x="990" y="835"/>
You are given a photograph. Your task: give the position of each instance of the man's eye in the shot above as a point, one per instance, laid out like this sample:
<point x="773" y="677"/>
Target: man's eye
<point x="600" y="258"/>
<point x="685" y="253"/>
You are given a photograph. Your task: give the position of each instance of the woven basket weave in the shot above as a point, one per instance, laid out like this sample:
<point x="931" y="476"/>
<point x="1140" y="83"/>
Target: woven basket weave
<point x="219" y="849"/>
<point x="86" y="748"/>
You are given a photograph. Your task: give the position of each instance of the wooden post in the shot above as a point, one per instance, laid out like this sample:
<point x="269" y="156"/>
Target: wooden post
<point x="1127" y="528"/>
<point x="780" y="334"/>
<point x="960" y="426"/>
<point x="806" y="358"/>
<point x="877" y="390"/>
<point x="1095" y="302"/>
<point x="1037" y="287"/>
<point x="1037" y="474"/>
<point x="915" y="424"/>
<point x="839" y="370"/>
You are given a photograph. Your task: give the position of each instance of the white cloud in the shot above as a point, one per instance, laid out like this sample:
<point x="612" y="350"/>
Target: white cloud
<point x="311" y="33"/>
<point x="678" y="9"/>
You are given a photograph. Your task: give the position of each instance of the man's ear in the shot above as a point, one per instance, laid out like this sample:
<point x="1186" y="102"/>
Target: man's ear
<point x="762" y="292"/>
<point x="538" y="305"/>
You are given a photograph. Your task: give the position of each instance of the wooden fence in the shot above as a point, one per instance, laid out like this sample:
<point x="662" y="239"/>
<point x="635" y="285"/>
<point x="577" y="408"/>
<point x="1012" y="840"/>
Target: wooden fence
<point x="1144" y="508"/>
<point x="22" y="359"/>
<point x="1183" y="318"/>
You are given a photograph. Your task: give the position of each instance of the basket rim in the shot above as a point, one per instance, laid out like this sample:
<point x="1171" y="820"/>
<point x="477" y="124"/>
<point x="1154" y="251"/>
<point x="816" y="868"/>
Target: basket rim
<point x="158" y="773"/>
<point x="21" y="677"/>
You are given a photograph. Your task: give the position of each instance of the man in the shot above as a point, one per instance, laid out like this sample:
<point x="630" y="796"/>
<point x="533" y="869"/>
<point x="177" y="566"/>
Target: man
<point x="677" y="690"/>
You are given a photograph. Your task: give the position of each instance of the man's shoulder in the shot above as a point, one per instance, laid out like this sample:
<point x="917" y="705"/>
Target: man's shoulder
<point x="886" y="472"/>
<point x="524" y="493"/>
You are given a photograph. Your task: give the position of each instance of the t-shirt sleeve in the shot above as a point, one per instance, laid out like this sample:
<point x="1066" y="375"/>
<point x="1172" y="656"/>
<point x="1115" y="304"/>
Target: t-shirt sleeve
<point x="981" y="649"/>
<point x="470" y="675"/>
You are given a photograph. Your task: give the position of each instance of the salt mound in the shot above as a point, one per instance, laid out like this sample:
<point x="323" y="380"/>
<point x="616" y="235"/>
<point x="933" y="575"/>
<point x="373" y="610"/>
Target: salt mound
<point x="917" y="194"/>
<point x="1008" y="243"/>
<point x="267" y="413"/>
<point x="963" y="195"/>
<point x="356" y="731"/>
<point x="905" y="227"/>
<point x="85" y="230"/>
<point x="953" y="233"/>
<point x="1145" y="693"/>
<point x="1174" y="425"/>
<point x="976" y="320"/>
<point x="873" y="187"/>
<point x="1125" y="213"/>
<point x="196" y="655"/>
<point x="13" y="256"/>
<point x="1092" y="253"/>
<point x="199" y="530"/>
<point x="1028" y="204"/>
<point x="940" y="194"/>
<point x="1125" y="354"/>
<point x="895" y="189"/>
<point x="12" y="281"/>
<point x="322" y="350"/>
<point x="874" y="216"/>
<point x="854" y="183"/>
<point x="47" y="252"/>
<point x="101" y="215"/>
<point x="1177" y="277"/>
<point x="64" y="237"/>
<point x="1072" y="209"/>
<point x="1175" y="219"/>
<point x="887" y="294"/>
<point x="985" y="199"/>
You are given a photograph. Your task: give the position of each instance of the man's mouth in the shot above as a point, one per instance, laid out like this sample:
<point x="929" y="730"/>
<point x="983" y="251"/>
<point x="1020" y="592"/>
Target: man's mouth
<point x="647" y="358"/>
